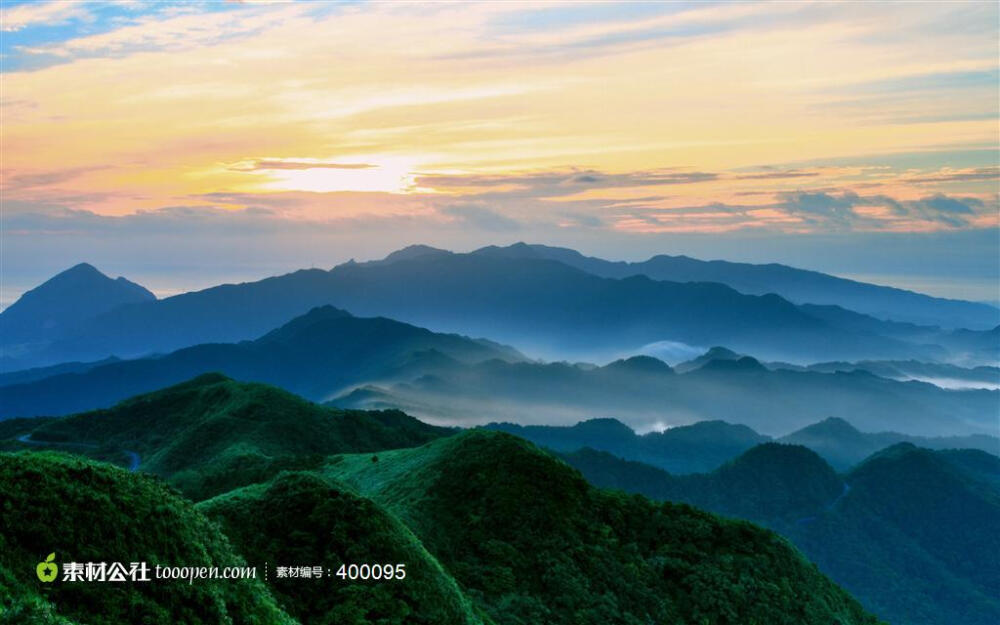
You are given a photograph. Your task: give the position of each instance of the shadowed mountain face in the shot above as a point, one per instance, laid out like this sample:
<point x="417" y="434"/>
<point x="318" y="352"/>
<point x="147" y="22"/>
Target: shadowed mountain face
<point x="539" y="304"/>
<point x="455" y="510"/>
<point x="910" y="532"/>
<point x="60" y="304"/>
<point x="797" y="285"/>
<point x="315" y="355"/>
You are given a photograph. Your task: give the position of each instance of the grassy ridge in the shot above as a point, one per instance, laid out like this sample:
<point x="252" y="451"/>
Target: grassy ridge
<point x="493" y="529"/>
<point x="528" y="539"/>
<point x="306" y="519"/>
<point x="86" y="511"/>
<point x="212" y="434"/>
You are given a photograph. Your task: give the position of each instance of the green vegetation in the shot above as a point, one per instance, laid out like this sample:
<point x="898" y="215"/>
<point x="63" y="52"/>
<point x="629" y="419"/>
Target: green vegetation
<point x="492" y="529"/>
<point x="302" y="518"/>
<point x="85" y="511"/>
<point x="910" y="532"/>
<point x="528" y="539"/>
<point x="211" y="434"/>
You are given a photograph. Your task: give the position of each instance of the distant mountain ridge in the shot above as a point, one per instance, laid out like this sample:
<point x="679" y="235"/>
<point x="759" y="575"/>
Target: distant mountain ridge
<point x="314" y="355"/>
<point x="797" y="285"/>
<point x="706" y="445"/>
<point x="540" y="304"/>
<point x="648" y="396"/>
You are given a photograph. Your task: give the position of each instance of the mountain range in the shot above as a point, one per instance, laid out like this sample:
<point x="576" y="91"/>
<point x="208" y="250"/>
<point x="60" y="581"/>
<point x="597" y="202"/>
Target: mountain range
<point x="364" y="363"/>
<point x="796" y="285"/>
<point x="492" y="529"/>
<point x="648" y="394"/>
<point x="706" y="445"/>
<point x="545" y="306"/>
<point x="315" y="355"/>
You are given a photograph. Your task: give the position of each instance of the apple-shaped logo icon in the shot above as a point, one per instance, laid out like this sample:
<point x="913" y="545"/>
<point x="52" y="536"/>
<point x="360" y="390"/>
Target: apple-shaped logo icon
<point x="48" y="570"/>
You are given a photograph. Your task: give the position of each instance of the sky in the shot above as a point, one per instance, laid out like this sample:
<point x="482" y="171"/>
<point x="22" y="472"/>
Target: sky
<point x="187" y="144"/>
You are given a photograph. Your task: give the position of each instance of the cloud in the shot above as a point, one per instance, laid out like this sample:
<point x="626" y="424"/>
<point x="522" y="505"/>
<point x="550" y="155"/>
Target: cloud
<point x="820" y="207"/>
<point x="14" y="181"/>
<point x="266" y="164"/>
<point x="480" y="216"/>
<point x="561" y="182"/>
<point x="51" y="13"/>
<point x="845" y="209"/>
<point x="963" y="175"/>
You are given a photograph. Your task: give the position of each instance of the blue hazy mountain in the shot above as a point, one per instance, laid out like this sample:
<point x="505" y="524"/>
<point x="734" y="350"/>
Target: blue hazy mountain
<point x="61" y="303"/>
<point x="740" y="391"/>
<point x="706" y="445"/>
<point x="694" y="448"/>
<point x="797" y="285"/>
<point x="540" y="305"/>
<point x="843" y="445"/>
<point x="315" y="355"/>
<point x="910" y="532"/>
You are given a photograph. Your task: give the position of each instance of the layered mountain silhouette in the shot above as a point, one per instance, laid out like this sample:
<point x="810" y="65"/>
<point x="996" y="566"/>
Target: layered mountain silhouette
<point x="315" y="355"/>
<point x="648" y="396"/>
<point x="695" y="448"/>
<point x="476" y="517"/>
<point x="909" y="531"/>
<point x="843" y="445"/>
<point x="706" y="445"/>
<point x="376" y="363"/>
<point x="541" y="305"/>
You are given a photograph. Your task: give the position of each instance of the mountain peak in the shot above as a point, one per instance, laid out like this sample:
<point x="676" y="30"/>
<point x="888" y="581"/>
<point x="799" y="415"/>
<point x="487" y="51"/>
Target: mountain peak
<point x="718" y="353"/>
<point x="82" y="269"/>
<point x="641" y="363"/>
<point x="319" y="314"/>
<point x="414" y="251"/>
<point x="832" y="426"/>
<point x="67" y="298"/>
<point x="605" y="425"/>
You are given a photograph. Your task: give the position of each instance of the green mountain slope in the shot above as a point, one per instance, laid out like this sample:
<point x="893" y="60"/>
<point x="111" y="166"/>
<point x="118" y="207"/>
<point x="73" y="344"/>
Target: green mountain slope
<point x="303" y="518"/>
<point x="910" y="532"/>
<point x="528" y="539"/>
<point x="85" y="511"/>
<point x="212" y="434"/>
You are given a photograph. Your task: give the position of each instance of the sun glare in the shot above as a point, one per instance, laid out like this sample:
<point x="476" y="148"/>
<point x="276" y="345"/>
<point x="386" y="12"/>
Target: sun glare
<point x="387" y="175"/>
